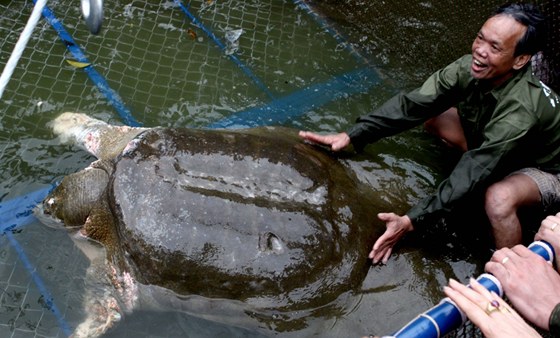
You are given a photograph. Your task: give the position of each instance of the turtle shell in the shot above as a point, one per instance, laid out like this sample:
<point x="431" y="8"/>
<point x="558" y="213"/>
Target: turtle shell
<point x="240" y="214"/>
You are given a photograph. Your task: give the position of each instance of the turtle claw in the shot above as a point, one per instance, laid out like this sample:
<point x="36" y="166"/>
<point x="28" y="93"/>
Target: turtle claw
<point x="101" y="317"/>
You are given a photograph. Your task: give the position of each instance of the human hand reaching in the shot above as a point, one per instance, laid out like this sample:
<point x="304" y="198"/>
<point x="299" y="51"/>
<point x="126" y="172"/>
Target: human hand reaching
<point x="397" y="227"/>
<point x="335" y="141"/>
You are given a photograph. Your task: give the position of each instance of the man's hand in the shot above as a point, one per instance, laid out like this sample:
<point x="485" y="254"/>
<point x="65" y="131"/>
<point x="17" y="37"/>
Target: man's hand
<point x="502" y="322"/>
<point x="335" y="141"/>
<point x="531" y="284"/>
<point x="550" y="233"/>
<point x="397" y="226"/>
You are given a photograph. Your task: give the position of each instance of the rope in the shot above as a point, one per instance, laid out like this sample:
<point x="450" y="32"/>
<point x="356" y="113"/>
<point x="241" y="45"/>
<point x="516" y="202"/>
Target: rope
<point x="47" y="296"/>
<point x="80" y="56"/>
<point x="20" y="45"/>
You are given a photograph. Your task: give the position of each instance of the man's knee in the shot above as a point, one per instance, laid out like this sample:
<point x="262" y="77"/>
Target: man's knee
<point x="499" y="200"/>
<point x="513" y="192"/>
<point x="431" y="126"/>
<point x="447" y="126"/>
<point x="501" y="207"/>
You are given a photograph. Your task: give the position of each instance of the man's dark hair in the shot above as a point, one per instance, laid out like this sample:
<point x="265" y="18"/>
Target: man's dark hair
<point x="530" y="16"/>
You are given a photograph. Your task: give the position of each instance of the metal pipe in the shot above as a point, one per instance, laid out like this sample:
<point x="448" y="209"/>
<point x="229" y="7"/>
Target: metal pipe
<point x="92" y="11"/>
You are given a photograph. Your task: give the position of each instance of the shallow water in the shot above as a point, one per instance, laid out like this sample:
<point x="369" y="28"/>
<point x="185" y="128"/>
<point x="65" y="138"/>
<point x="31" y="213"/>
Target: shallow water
<point x="288" y="70"/>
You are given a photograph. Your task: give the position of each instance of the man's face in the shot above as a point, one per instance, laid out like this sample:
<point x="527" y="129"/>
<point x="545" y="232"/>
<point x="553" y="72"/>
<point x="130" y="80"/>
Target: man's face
<point x="494" y="47"/>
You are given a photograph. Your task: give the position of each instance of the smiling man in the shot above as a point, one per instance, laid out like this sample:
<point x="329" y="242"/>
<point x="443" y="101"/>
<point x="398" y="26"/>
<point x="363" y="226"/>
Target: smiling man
<point x="489" y="105"/>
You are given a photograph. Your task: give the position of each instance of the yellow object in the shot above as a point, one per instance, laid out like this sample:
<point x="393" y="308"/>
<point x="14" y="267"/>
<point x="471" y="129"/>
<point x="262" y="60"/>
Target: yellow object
<point x="78" y="64"/>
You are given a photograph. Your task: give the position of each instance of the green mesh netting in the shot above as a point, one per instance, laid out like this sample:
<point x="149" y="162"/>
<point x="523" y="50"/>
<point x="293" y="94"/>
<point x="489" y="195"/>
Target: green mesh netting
<point x="429" y="34"/>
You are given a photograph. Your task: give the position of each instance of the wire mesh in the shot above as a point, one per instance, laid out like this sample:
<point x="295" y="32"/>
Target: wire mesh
<point x="427" y="35"/>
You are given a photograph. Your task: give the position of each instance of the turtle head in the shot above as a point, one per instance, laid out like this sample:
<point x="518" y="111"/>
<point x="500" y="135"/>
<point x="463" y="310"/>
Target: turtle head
<point x="73" y="200"/>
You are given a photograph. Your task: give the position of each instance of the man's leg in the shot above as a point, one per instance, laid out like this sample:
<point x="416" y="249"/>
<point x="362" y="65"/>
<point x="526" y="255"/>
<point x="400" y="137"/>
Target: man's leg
<point x="447" y="126"/>
<point x="503" y="200"/>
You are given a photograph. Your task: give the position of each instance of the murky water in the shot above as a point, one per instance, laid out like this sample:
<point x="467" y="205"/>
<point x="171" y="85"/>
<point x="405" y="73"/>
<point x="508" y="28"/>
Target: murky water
<point x="285" y="68"/>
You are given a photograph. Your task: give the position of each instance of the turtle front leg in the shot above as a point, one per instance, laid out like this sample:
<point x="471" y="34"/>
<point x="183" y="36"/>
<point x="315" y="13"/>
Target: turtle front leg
<point x="100" y="303"/>
<point x="102" y="315"/>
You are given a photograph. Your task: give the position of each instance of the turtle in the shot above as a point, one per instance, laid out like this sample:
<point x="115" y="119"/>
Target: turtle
<point x="255" y="215"/>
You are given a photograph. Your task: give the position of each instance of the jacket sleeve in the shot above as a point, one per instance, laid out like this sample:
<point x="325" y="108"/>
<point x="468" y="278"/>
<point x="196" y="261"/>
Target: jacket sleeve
<point x="407" y="110"/>
<point x="554" y="322"/>
<point x="503" y="136"/>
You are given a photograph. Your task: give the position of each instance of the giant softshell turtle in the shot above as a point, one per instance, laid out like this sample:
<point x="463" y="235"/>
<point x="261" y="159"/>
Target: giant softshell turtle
<point x="254" y="215"/>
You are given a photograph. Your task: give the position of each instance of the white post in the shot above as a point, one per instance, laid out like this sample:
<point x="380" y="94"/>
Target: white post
<point x="20" y="45"/>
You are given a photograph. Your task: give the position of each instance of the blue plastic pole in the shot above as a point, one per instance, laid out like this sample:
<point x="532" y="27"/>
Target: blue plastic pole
<point x="102" y="85"/>
<point x="446" y="316"/>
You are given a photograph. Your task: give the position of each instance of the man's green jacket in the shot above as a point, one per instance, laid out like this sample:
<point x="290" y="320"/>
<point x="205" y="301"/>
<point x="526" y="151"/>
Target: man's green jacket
<point x="513" y="126"/>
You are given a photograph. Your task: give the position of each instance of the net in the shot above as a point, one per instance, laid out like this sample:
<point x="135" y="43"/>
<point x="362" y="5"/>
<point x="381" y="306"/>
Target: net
<point x="428" y="35"/>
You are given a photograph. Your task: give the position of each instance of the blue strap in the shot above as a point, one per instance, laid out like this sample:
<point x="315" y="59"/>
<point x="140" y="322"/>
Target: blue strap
<point x="94" y="76"/>
<point x="296" y="104"/>
<point x="337" y="35"/>
<point x="19" y="211"/>
<point x="48" y="298"/>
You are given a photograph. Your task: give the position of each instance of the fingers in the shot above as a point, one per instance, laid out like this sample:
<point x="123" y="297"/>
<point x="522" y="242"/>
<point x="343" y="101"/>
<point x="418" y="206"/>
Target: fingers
<point x="505" y="258"/>
<point x="476" y="300"/>
<point x="496" y="269"/>
<point x="507" y="255"/>
<point x="386" y="216"/>
<point x="476" y="293"/>
<point x="551" y="220"/>
<point x="550" y="224"/>
<point x="313" y="137"/>
<point x="375" y="256"/>
<point x="521" y="250"/>
<point x="494" y="317"/>
<point x="492" y="299"/>
<point x="516" y="256"/>
<point x="381" y="250"/>
<point x="466" y="299"/>
<point x="397" y="226"/>
<point x="380" y="256"/>
<point x="335" y="141"/>
<point x="549" y="232"/>
<point x="386" y="256"/>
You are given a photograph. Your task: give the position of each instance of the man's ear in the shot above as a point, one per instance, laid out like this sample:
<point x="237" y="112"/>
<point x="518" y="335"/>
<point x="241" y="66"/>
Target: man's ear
<point x="520" y="61"/>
